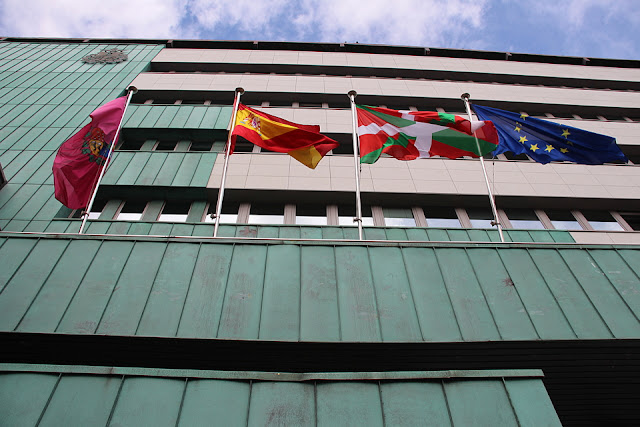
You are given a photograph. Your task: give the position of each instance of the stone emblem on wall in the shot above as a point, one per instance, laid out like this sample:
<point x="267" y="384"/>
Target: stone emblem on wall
<point x="107" y="56"/>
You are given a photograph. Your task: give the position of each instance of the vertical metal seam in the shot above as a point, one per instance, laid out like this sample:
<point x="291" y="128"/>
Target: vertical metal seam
<point x="264" y="276"/>
<point x="249" y="402"/>
<point x="226" y="286"/>
<point x="115" y="285"/>
<point x="24" y="259"/>
<point x="117" y="399"/>
<point x="184" y="392"/>
<point x="153" y="284"/>
<point x="585" y="292"/>
<point x="335" y="270"/>
<point x="617" y="250"/>
<point x="519" y="297"/>
<point x="375" y="295"/>
<point x="446" y="288"/>
<point x="76" y="290"/>
<point x="484" y="296"/>
<point x="513" y="409"/>
<point x="384" y="421"/>
<point x="446" y="401"/>
<point x="300" y="250"/>
<point x="186" y="295"/>
<point x="315" y="402"/>
<point x="555" y="298"/>
<point x="41" y="285"/>
<point x="46" y="405"/>
<point x="413" y="300"/>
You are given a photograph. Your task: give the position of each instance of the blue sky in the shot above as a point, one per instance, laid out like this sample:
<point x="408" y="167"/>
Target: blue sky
<point x="590" y="28"/>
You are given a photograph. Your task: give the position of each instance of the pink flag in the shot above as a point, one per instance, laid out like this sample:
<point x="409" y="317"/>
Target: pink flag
<point x="79" y="159"/>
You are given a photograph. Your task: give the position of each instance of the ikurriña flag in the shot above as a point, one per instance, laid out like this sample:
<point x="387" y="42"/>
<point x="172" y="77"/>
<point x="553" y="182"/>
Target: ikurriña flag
<point x="80" y="158"/>
<point x="304" y="143"/>
<point x="545" y="141"/>
<point x="408" y="135"/>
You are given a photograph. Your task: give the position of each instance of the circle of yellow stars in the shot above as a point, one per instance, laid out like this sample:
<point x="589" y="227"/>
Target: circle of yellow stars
<point x="534" y="147"/>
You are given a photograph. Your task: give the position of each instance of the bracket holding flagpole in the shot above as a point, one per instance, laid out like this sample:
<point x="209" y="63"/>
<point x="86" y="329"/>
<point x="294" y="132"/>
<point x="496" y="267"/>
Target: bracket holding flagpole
<point x="496" y="220"/>
<point x="356" y="162"/>
<point x="223" y="180"/>
<point x="85" y="215"/>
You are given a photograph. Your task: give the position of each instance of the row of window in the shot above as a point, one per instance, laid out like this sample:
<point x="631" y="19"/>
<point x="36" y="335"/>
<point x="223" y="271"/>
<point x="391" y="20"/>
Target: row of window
<point x="425" y="216"/>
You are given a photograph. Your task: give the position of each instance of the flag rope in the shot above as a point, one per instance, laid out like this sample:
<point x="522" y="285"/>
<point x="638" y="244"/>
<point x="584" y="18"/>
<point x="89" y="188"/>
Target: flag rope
<point x="356" y="160"/>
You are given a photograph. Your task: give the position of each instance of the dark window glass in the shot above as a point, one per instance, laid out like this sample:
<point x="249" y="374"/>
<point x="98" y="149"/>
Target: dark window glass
<point x="510" y="156"/>
<point x="266" y="214"/>
<point x="229" y="214"/>
<point x="166" y="145"/>
<point x="602" y="220"/>
<point x="633" y="219"/>
<point x="131" y="211"/>
<point x="563" y="220"/>
<point x="132" y="145"/>
<point x="444" y="217"/>
<point x="201" y="146"/>
<point x="346" y="213"/>
<point x="524" y="218"/>
<point x="96" y="209"/>
<point x="398" y="217"/>
<point x="480" y="217"/>
<point x="311" y="214"/>
<point x="344" y="149"/>
<point x="175" y="212"/>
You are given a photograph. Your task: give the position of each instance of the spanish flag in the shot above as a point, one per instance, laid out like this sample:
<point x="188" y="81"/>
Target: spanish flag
<point x="304" y="143"/>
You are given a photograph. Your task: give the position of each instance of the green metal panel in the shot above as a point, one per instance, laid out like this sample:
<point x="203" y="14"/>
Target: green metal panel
<point x="226" y="402"/>
<point x="529" y="400"/>
<point x="282" y="404"/>
<point x="13" y="253"/>
<point x="618" y="267"/>
<point x="23" y="397"/>
<point x="203" y="170"/>
<point x="81" y="401"/>
<point x="164" y="306"/>
<point x="169" y="169"/>
<point x="125" y="307"/>
<point x="479" y="403"/>
<point x="152" y="402"/>
<point x="203" y="305"/>
<point x="134" y="168"/>
<point x="348" y="404"/>
<point x="414" y="404"/>
<point x="187" y="169"/>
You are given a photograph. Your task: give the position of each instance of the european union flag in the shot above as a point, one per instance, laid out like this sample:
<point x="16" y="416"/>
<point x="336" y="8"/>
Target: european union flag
<point x="546" y="141"/>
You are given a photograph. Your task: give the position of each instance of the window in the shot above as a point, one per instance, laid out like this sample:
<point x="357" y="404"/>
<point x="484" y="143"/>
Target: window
<point x="96" y="209"/>
<point x="444" y="217"/>
<point x="563" y="220"/>
<point x="311" y="214"/>
<point x="602" y="220"/>
<point x="131" y="145"/>
<point x="175" y="212"/>
<point x="201" y="146"/>
<point x="166" y="145"/>
<point x="346" y="213"/>
<point x="480" y="217"/>
<point x="229" y="214"/>
<point x="524" y="218"/>
<point x="633" y="219"/>
<point x="131" y="211"/>
<point x="266" y="214"/>
<point x="398" y="217"/>
<point x="510" y="156"/>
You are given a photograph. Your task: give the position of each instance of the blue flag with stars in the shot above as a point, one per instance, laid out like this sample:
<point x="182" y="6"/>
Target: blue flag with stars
<point x="545" y="141"/>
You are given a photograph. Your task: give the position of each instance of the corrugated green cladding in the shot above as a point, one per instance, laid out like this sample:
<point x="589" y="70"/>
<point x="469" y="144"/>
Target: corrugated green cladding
<point x="45" y="399"/>
<point x="178" y="117"/>
<point x="46" y="95"/>
<point x="291" y="291"/>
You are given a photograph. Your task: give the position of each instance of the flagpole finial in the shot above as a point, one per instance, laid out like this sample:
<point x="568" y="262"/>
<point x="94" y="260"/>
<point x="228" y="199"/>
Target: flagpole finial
<point x="352" y="93"/>
<point x="133" y="89"/>
<point x="465" y="96"/>
<point x="240" y="90"/>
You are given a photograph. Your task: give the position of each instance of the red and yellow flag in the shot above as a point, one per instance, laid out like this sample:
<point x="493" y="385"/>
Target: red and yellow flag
<point x="304" y="143"/>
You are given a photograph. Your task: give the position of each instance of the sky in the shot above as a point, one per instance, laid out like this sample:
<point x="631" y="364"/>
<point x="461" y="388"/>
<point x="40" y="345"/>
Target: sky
<point x="584" y="28"/>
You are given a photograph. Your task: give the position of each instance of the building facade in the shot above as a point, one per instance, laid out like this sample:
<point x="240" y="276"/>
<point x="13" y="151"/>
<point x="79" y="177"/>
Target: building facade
<point x="287" y="318"/>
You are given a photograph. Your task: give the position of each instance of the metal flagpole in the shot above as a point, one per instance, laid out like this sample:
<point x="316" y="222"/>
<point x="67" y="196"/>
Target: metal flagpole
<point x="496" y="220"/>
<point x="132" y="90"/>
<point x="356" y="162"/>
<point x="239" y="91"/>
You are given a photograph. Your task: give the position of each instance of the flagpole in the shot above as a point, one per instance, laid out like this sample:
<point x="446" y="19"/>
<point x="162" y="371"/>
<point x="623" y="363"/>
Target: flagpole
<point x="239" y="91"/>
<point x="131" y="91"/>
<point x="496" y="220"/>
<point x="356" y="161"/>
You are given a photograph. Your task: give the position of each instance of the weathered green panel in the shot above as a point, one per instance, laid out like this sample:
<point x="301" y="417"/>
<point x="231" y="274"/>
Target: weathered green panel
<point x="19" y="293"/>
<point x="140" y="228"/>
<point x="23" y="397"/>
<point x="374" y="233"/>
<point x="414" y="404"/>
<point x="135" y="115"/>
<point x="124" y="310"/>
<point x="396" y="307"/>
<point x="49" y="305"/>
<point x="16" y="225"/>
<point x="166" y="299"/>
<point x="144" y="401"/>
<point x="180" y="117"/>
<point x="169" y="169"/>
<point x="187" y="169"/>
<point x="265" y="231"/>
<point x="311" y="232"/>
<point x="319" y="317"/>
<point x="151" y="169"/>
<point x="359" y="317"/>
<point x="332" y="233"/>
<point x="289" y="232"/>
<point x="531" y="402"/>
<point x="458" y="235"/>
<point x="12" y="168"/>
<point x="479" y="403"/>
<point x="622" y="268"/>
<point x="396" y="234"/>
<point x="195" y="118"/>
<point x="474" y="317"/>
<point x="87" y="305"/>
<point x="430" y="295"/>
<point x="152" y="116"/>
<point x="501" y="295"/>
<point x="117" y="165"/>
<point x="543" y="309"/>
<point x="119" y="227"/>
<point x="182" y="230"/>
<point x="437" y="235"/>
<point x="20" y="198"/>
<point x="35" y="203"/>
<point x="203" y="305"/>
<point x="206" y="401"/>
<point x="210" y="118"/>
<point x="243" y="298"/>
<point x="280" y="318"/>
<point x="161" y="229"/>
<point x="168" y="113"/>
<point x="134" y="168"/>
<point x="203" y="170"/>
<point x="348" y="404"/>
<point x="584" y="319"/>
<point x="82" y="401"/>
<point x="614" y="311"/>
<point x="13" y="253"/>
<point x="282" y="404"/>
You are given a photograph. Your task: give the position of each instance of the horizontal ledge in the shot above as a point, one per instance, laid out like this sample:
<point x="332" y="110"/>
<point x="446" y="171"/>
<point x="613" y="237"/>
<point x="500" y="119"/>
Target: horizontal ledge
<point x="271" y="376"/>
